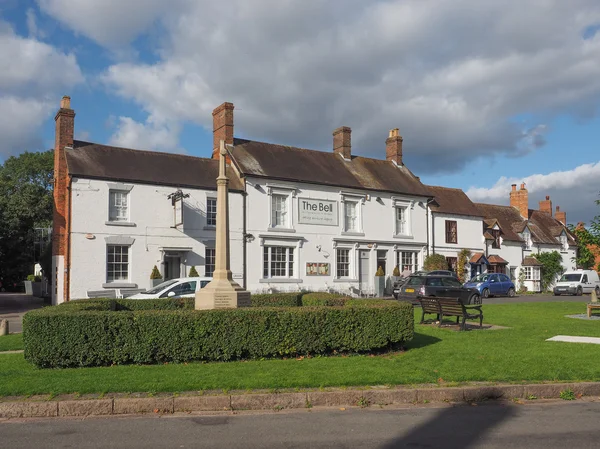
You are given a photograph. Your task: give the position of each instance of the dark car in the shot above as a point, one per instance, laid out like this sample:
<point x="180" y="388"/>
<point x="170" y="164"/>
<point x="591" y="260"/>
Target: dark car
<point x="442" y="273"/>
<point x="444" y="286"/>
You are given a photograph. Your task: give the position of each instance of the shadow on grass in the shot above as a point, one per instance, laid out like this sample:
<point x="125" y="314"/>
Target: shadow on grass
<point x="420" y="341"/>
<point x="456" y="427"/>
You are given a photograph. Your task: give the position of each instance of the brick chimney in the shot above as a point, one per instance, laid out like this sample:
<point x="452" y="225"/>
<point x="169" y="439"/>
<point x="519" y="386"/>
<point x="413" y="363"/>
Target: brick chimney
<point x="222" y="127"/>
<point x="561" y="216"/>
<point x="393" y="147"/>
<point x="520" y="200"/>
<point x="65" y="123"/>
<point x="342" y="142"/>
<point x="546" y="206"/>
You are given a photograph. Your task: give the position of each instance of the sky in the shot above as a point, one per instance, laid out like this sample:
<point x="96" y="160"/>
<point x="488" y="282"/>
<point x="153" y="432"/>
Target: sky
<point x="485" y="94"/>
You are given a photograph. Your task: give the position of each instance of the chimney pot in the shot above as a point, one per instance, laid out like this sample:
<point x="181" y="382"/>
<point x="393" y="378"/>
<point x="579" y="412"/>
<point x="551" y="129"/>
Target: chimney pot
<point x="519" y="199"/>
<point x="65" y="102"/>
<point x="522" y="186"/>
<point x="546" y="206"/>
<point x="514" y="187"/>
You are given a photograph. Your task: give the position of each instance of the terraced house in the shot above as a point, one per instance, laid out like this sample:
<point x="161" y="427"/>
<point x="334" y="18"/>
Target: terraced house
<point x="299" y="218"/>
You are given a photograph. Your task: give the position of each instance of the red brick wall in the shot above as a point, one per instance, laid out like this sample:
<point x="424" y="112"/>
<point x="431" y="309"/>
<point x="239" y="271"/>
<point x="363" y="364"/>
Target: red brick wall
<point x="393" y="147"/>
<point x="65" y="122"/>
<point x="342" y="142"/>
<point x="222" y="127"/>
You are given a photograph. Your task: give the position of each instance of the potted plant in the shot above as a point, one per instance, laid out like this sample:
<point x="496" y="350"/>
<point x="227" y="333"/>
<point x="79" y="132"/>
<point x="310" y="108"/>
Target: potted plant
<point x="33" y="285"/>
<point x="379" y="283"/>
<point x="395" y="277"/>
<point x="155" y="277"/>
<point x="193" y="273"/>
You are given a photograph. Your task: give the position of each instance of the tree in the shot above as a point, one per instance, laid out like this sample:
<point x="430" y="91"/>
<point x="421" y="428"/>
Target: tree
<point x="462" y="271"/>
<point x="435" y="262"/>
<point x="193" y="273"/>
<point x="25" y="204"/>
<point x="551" y="268"/>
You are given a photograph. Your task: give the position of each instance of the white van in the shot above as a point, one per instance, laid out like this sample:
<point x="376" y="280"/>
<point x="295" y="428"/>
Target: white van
<point x="577" y="283"/>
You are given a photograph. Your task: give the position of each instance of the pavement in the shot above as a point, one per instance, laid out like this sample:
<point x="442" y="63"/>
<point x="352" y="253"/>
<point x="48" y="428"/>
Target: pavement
<point x="536" y="425"/>
<point x="14" y="305"/>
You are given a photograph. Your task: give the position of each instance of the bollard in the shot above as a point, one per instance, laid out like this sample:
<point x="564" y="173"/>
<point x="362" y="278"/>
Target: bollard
<point x="3" y="327"/>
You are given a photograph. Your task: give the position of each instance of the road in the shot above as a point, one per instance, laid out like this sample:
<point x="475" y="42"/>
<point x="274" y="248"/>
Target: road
<point x="14" y="305"/>
<point x="491" y="425"/>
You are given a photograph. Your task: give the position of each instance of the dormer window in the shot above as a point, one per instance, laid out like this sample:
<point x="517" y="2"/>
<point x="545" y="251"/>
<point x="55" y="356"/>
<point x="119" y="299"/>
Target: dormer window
<point x="564" y="241"/>
<point x="497" y="242"/>
<point x="526" y="236"/>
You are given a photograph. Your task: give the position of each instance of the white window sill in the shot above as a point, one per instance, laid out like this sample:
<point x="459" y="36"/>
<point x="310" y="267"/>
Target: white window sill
<point x="277" y="229"/>
<point x="353" y="233"/>
<point x="280" y="281"/>
<point x="403" y="236"/>
<point x="119" y="285"/>
<point x="210" y="228"/>
<point x="340" y="280"/>
<point x="120" y="223"/>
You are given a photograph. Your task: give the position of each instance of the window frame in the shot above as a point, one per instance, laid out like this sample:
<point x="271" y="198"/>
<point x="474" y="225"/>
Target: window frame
<point x="497" y="242"/>
<point x="404" y="223"/>
<point x="347" y="263"/>
<point x="290" y="261"/>
<point x="401" y="262"/>
<point x="358" y="201"/>
<point x="289" y="193"/>
<point x="408" y="206"/>
<point x="451" y="234"/>
<point x="108" y="271"/>
<point x="115" y="218"/>
<point x="210" y="221"/>
<point x="207" y="265"/>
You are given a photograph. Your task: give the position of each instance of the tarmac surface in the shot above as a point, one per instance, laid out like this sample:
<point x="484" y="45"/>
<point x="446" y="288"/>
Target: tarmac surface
<point x="14" y="305"/>
<point x="547" y="425"/>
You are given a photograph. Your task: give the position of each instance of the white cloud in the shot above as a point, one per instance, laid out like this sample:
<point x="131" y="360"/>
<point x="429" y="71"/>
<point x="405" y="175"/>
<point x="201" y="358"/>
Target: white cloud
<point x="32" y="76"/>
<point x="451" y="75"/>
<point x="573" y="190"/>
<point x="151" y="135"/>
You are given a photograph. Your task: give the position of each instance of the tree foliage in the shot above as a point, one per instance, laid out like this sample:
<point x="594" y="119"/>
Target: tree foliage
<point x="551" y="268"/>
<point x="462" y="271"/>
<point x="435" y="262"/>
<point x="587" y="239"/>
<point x="25" y="204"/>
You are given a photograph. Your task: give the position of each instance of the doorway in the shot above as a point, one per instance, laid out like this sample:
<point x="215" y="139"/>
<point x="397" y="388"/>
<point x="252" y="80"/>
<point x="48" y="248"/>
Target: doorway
<point x="363" y="269"/>
<point x="381" y="260"/>
<point x="172" y="266"/>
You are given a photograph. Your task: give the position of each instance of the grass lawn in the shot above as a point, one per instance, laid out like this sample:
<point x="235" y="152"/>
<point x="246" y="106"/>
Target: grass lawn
<point x="11" y="342"/>
<point x="518" y="354"/>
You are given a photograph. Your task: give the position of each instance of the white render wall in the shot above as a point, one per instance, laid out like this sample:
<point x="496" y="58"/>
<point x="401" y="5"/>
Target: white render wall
<point x="469" y="230"/>
<point x="152" y="214"/>
<point x="316" y="243"/>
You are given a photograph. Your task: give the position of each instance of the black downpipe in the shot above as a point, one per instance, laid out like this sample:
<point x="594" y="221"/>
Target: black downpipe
<point x="427" y="223"/>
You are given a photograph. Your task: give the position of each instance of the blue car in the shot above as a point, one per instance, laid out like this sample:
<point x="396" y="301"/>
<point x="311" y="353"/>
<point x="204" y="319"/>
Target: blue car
<point x="492" y="284"/>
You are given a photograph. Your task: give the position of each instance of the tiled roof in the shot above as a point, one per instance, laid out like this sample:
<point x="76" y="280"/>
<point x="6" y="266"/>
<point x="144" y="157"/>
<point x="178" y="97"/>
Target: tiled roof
<point x="496" y="259"/>
<point x="452" y="201"/>
<point x="505" y="217"/>
<point x="325" y="168"/>
<point x="531" y="262"/>
<point x="476" y="257"/>
<point x="91" y="160"/>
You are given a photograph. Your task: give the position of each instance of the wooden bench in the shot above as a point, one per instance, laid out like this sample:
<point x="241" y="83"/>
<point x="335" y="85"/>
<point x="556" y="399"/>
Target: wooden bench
<point x="450" y="307"/>
<point x="590" y="306"/>
<point x="112" y="294"/>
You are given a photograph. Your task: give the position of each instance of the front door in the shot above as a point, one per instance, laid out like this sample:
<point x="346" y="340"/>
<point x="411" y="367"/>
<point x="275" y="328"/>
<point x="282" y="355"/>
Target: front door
<point x="363" y="269"/>
<point x="172" y="266"/>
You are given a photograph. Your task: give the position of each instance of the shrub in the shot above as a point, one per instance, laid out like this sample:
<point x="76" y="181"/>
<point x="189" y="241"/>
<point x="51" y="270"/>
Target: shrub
<point x="82" y="335"/>
<point x="193" y="273"/>
<point x="155" y="273"/>
<point x="34" y="278"/>
<point x="380" y="272"/>
<point x="396" y="271"/>
<point x="324" y="299"/>
<point x="435" y="262"/>
<point x="276" y="300"/>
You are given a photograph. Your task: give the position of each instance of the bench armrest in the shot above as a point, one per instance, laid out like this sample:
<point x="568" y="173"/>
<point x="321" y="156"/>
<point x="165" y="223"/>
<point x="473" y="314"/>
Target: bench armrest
<point x="476" y="307"/>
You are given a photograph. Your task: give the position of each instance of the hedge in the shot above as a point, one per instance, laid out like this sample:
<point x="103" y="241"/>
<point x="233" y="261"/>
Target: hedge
<point x="324" y="299"/>
<point x="90" y="335"/>
<point x="276" y="300"/>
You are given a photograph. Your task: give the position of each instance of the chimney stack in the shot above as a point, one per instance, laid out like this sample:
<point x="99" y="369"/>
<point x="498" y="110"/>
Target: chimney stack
<point x="546" y="206"/>
<point x="561" y="216"/>
<point x="342" y="142"/>
<point x="519" y="199"/>
<point x="393" y="147"/>
<point x="222" y="127"/>
<point x="63" y="137"/>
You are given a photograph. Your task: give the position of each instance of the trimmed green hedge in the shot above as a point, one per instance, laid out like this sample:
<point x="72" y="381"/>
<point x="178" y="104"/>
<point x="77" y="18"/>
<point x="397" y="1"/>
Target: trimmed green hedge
<point x="324" y="299"/>
<point x="90" y="334"/>
<point x="276" y="300"/>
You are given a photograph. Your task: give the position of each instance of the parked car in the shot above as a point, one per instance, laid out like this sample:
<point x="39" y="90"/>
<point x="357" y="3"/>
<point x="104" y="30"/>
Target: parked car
<point x="442" y="273"/>
<point x="174" y="288"/>
<point x="492" y="284"/>
<point x="443" y="286"/>
<point x="577" y="283"/>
